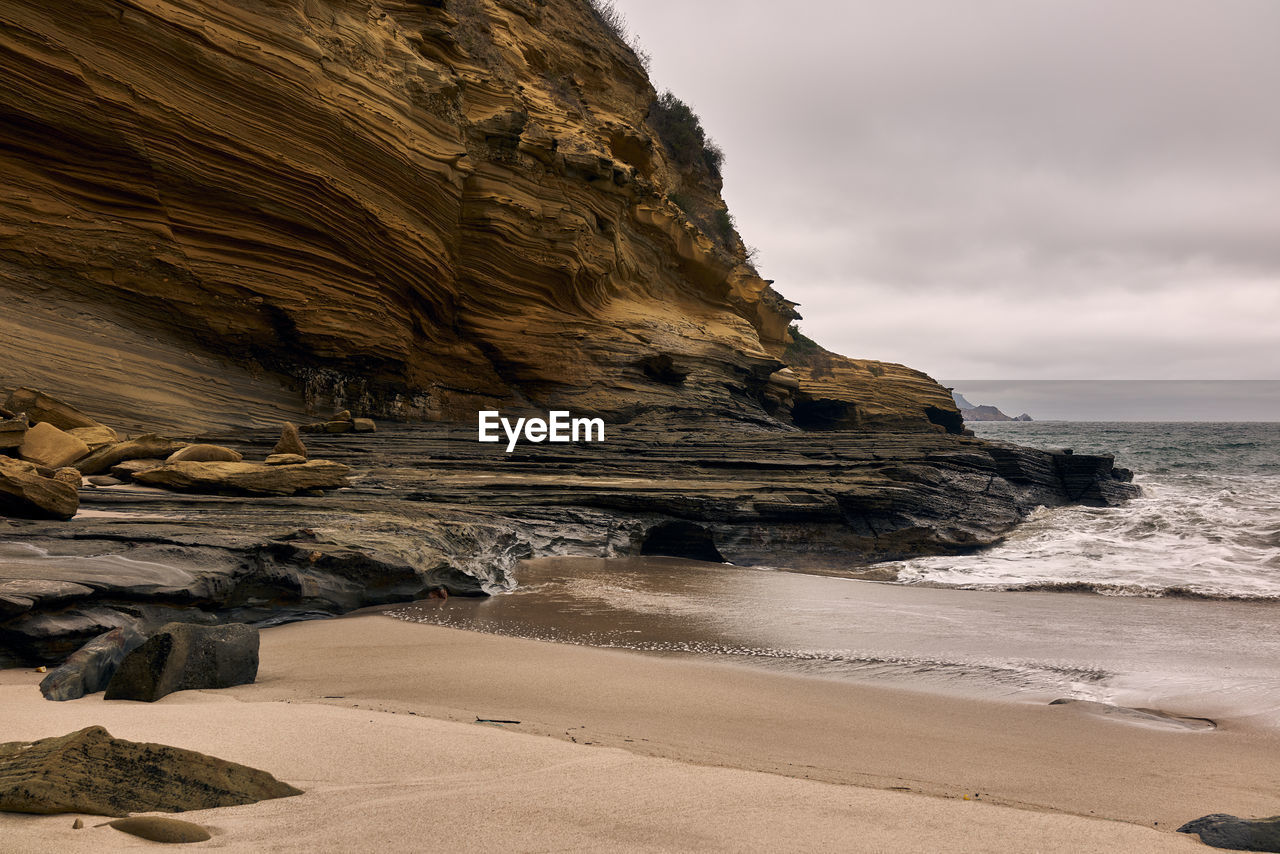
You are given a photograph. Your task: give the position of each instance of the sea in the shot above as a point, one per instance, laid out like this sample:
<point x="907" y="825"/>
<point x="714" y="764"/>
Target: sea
<point x="1168" y="603"/>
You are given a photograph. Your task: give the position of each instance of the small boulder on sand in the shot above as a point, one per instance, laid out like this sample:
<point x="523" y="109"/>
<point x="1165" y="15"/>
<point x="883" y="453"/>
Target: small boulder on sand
<point x="364" y="425"/>
<point x="184" y="657"/>
<point x="90" y="668"/>
<point x="1238" y="834"/>
<point x="160" y="829"/>
<point x="89" y="771"/>
<point x="204" y="454"/>
<point x="290" y="442"/>
<point x="46" y="445"/>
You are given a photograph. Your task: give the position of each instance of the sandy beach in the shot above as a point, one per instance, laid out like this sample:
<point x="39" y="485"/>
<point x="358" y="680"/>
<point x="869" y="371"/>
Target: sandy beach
<point x="376" y="720"/>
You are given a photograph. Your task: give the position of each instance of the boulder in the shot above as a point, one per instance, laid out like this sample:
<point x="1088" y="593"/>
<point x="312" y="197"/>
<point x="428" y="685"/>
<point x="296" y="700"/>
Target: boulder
<point x="290" y="442"/>
<point x="185" y="657"/>
<point x="204" y="454"/>
<point x="41" y="408"/>
<point x="143" y="447"/>
<point x="89" y="771"/>
<point x="127" y="469"/>
<point x="364" y="425"/>
<point x="1236" y="834"/>
<point x="285" y="460"/>
<point x="341" y="415"/>
<point x="70" y="475"/>
<point x="12" y="431"/>
<point x="95" y="437"/>
<point x="246" y="478"/>
<point x="160" y="829"/>
<point x="339" y="427"/>
<point x="90" y="668"/>
<point x="25" y="494"/>
<point x="103" y="480"/>
<point x="46" y="445"/>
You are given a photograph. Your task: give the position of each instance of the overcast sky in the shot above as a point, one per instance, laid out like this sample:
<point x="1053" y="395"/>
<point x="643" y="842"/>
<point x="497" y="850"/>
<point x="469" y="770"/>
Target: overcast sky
<point x="1001" y="189"/>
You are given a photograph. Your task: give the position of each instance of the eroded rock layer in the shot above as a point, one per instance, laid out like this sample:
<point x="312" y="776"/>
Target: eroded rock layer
<point x="430" y="507"/>
<point x="417" y="208"/>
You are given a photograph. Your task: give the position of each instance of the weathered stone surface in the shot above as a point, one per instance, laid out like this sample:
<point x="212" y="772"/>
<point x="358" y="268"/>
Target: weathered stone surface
<point x="473" y="237"/>
<point x="95" y="437"/>
<point x="285" y="460"/>
<point x="22" y="594"/>
<point x="159" y="829"/>
<point x="364" y="425"/>
<point x="103" y="480"/>
<point x="1236" y="834"/>
<point x="127" y="469"/>
<point x="89" y="771"/>
<point x="341" y="415"/>
<point x="44" y="409"/>
<point x="46" y="445"/>
<point x="246" y="478"/>
<point x="430" y="507"/>
<point x="290" y="441"/>
<point x="184" y="657"/>
<point x="339" y="426"/>
<point x="144" y="447"/>
<point x="26" y="494"/>
<point x="204" y="454"/>
<point x="12" y="431"/>
<point x="70" y="476"/>
<point x="91" y="667"/>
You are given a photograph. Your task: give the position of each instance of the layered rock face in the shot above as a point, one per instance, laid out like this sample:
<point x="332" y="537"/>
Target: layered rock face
<point x="418" y="208"/>
<point x="430" y="507"/>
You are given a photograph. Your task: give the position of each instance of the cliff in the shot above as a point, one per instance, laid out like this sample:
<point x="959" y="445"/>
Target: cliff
<point x="219" y="213"/>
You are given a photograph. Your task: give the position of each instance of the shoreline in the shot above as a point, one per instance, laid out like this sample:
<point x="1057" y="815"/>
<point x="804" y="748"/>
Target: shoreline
<point x="378" y="691"/>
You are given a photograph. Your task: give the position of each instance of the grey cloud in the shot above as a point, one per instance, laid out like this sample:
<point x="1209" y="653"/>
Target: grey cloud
<point x="933" y="180"/>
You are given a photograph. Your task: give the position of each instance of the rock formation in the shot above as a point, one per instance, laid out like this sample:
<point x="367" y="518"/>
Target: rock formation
<point x="1237" y="834"/>
<point x="186" y="657"/>
<point x="91" y="667"/>
<point x="415" y="209"/>
<point x="91" y="772"/>
<point x="432" y="508"/>
<point x="984" y="412"/>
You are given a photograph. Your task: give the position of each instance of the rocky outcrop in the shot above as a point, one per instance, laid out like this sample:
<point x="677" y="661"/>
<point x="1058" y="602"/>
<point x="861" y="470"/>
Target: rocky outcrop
<point x="239" y="210"/>
<point x="25" y="493"/>
<point x="46" y="445"/>
<point x="1236" y="834"/>
<point x="246" y="478"/>
<point x="984" y="412"/>
<point x="91" y="772"/>
<point x="833" y="392"/>
<point x="433" y="508"/>
<point x="91" y="667"/>
<point x="186" y="657"/>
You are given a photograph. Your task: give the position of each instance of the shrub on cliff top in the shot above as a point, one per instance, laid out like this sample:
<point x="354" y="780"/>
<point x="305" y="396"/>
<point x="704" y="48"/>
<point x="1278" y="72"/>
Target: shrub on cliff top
<point x="615" y="22"/>
<point x="681" y="131"/>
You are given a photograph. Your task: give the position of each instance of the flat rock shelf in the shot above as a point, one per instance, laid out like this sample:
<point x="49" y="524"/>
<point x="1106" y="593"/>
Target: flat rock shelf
<point x="429" y="507"/>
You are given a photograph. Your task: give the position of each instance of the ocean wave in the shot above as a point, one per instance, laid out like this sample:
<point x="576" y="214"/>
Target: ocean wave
<point x="1108" y="589"/>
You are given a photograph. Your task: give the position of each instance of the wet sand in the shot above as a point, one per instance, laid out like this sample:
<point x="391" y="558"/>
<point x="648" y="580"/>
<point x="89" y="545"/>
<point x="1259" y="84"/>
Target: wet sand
<point x="375" y="719"/>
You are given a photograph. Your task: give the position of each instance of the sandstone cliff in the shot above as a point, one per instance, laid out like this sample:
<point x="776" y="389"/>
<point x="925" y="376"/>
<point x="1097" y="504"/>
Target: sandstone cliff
<point x="216" y="213"/>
